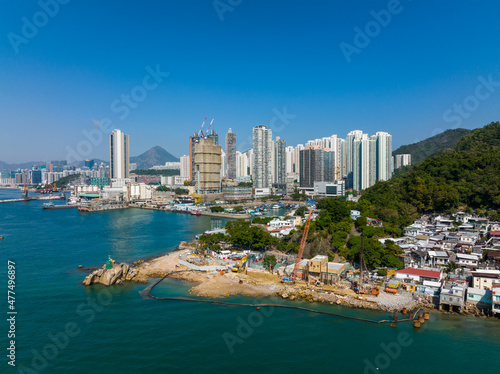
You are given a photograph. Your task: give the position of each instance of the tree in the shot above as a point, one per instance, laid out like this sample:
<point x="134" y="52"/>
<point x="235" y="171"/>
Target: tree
<point x="298" y="196"/>
<point x="181" y="191"/>
<point x="336" y="208"/>
<point x="211" y="242"/>
<point x="216" y="209"/>
<point x="452" y="266"/>
<point x="361" y="222"/>
<point x="301" y="211"/>
<point x="243" y="235"/>
<point x="270" y="262"/>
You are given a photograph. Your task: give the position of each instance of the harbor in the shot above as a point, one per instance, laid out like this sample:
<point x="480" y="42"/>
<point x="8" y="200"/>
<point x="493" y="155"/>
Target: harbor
<point x="145" y="233"/>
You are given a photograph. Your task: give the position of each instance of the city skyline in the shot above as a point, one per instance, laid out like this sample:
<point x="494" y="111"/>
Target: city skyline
<point x="148" y="80"/>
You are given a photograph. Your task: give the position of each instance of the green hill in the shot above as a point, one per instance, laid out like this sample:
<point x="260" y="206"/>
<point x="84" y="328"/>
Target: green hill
<point x="431" y="146"/>
<point x="468" y="174"/>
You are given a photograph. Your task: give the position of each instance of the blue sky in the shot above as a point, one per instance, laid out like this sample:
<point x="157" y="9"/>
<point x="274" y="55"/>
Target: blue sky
<point x="261" y="57"/>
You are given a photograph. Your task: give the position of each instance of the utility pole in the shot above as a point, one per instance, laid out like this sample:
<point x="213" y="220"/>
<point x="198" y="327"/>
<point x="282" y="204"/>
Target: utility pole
<point x="361" y="261"/>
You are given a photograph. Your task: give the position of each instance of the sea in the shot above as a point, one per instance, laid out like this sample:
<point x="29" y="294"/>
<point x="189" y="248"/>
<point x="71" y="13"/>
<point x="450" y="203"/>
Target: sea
<point x="64" y="327"/>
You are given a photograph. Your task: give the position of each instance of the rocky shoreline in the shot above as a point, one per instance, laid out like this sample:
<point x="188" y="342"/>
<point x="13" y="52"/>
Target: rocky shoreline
<point x="256" y="284"/>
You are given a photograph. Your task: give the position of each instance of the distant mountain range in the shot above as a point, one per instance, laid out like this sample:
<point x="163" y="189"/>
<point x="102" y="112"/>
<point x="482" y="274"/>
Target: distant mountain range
<point x="432" y="146"/>
<point x="155" y="156"/>
<point x="24" y="165"/>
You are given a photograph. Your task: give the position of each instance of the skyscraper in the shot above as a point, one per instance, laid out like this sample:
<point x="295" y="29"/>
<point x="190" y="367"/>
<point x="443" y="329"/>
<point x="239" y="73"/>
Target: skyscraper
<point x="185" y="167"/>
<point x="193" y="140"/>
<point x="329" y="165"/>
<point x="213" y="136"/>
<point x="384" y="156"/>
<point x="231" y="154"/>
<point x="402" y="160"/>
<point x="368" y="159"/>
<point x="279" y="161"/>
<point x="119" y="154"/>
<point x="312" y="165"/>
<point x="262" y="145"/>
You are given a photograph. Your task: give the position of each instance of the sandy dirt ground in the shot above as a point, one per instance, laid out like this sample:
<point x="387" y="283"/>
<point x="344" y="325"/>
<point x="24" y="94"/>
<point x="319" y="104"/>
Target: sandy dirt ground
<point x="157" y="267"/>
<point x="262" y="283"/>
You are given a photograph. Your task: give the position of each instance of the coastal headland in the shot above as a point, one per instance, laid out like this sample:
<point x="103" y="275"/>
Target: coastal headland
<point x="261" y="283"/>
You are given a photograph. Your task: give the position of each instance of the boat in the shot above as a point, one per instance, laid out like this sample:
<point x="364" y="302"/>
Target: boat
<point x="195" y="212"/>
<point x="52" y="197"/>
<point x="276" y="206"/>
<point x="60" y="206"/>
<point x="1" y="237"/>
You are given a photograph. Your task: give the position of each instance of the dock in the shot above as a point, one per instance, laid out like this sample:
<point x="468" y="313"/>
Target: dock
<point x="99" y="206"/>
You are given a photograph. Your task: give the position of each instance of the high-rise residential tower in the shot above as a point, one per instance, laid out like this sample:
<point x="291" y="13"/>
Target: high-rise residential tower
<point x="384" y="155"/>
<point x="312" y="167"/>
<point x="231" y="155"/>
<point x="279" y="160"/>
<point x="402" y="160"/>
<point x="119" y="154"/>
<point x="185" y="167"/>
<point x="262" y="146"/>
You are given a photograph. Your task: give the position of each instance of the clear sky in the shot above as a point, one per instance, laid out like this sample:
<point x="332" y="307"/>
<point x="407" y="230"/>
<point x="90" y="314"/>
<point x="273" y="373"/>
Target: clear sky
<point x="240" y="64"/>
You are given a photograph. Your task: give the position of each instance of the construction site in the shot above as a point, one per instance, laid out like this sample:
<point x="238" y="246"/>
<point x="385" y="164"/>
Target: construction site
<point x="231" y="272"/>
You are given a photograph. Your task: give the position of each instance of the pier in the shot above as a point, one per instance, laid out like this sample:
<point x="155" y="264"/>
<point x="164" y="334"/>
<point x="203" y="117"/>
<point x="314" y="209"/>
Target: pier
<point x="102" y="207"/>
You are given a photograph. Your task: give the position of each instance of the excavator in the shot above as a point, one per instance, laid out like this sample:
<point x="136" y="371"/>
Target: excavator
<point x="241" y="265"/>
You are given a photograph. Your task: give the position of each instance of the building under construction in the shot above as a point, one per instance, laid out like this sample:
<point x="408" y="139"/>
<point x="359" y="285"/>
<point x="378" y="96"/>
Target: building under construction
<point x="207" y="166"/>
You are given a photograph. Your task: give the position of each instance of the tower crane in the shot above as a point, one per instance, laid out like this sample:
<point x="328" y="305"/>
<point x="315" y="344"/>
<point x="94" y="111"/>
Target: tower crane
<point x="302" y="245"/>
<point x="210" y="125"/>
<point x="200" y="133"/>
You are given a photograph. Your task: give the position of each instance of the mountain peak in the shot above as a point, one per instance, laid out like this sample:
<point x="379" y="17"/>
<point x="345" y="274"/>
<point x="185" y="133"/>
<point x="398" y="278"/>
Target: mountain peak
<point x="153" y="157"/>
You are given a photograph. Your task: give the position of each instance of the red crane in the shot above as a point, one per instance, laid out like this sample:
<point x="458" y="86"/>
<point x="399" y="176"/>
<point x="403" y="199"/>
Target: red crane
<point x="302" y="245"/>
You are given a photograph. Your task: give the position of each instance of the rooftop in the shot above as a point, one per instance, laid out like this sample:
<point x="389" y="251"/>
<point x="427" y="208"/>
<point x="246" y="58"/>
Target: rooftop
<point x="318" y="258"/>
<point x="420" y="272"/>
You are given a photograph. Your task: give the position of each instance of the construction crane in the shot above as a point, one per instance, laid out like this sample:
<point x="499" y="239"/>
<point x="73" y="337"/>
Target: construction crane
<point x="210" y="125"/>
<point x="200" y="133"/>
<point x="360" y="287"/>
<point x="165" y="192"/>
<point x="337" y="173"/>
<point x="301" y="248"/>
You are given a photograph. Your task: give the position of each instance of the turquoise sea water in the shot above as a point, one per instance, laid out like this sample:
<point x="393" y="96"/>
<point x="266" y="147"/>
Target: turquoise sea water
<point x="63" y="327"/>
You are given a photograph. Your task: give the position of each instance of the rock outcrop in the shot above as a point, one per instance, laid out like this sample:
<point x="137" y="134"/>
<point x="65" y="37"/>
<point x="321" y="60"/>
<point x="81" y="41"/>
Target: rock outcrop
<point x="117" y="274"/>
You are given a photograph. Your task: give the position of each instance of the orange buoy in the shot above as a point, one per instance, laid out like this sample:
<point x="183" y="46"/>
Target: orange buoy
<point x="416" y="324"/>
<point x="426" y="315"/>
<point x="421" y="319"/>
<point x="258" y="307"/>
